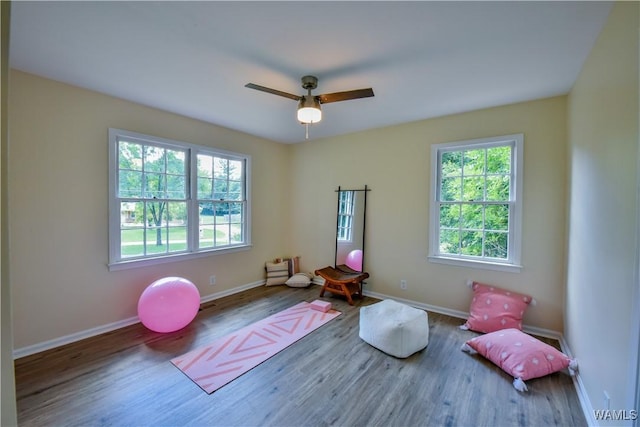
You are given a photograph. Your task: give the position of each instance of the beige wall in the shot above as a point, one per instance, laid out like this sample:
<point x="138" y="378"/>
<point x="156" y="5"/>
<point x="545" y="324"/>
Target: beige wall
<point x="58" y="208"/>
<point x="395" y="163"/>
<point x="603" y="212"/>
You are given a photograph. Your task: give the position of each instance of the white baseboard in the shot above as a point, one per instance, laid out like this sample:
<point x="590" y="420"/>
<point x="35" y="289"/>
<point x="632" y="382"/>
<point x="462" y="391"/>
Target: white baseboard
<point x="88" y="333"/>
<point x="232" y="291"/>
<point x="423" y="306"/>
<point x="68" y="339"/>
<point x="548" y="333"/>
<point x="583" y="396"/>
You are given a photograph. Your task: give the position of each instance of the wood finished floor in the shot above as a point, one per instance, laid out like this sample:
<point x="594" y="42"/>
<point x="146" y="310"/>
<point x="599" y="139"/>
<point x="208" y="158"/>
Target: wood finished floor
<point x="330" y="377"/>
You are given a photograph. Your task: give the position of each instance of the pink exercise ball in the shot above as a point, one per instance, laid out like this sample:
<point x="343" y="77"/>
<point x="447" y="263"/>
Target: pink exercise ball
<point x="354" y="260"/>
<point x="168" y="304"/>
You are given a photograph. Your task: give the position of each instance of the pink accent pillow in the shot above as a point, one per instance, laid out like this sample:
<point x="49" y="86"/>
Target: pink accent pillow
<point x="493" y="308"/>
<point x="520" y="355"/>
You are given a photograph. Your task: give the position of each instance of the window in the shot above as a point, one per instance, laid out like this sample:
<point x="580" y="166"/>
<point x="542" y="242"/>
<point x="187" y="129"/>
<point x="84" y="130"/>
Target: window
<point x="346" y="203"/>
<point x="172" y="199"/>
<point x="476" y="202"/>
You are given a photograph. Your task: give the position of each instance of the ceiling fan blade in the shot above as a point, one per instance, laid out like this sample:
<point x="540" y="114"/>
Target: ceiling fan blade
<point x="345" y="96"/>
<point x="273" y="91"/>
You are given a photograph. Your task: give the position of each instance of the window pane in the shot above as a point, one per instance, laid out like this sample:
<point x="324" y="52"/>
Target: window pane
<point x="205" y="166"/>
<point x="222" y="212"/>
<point x="176" y="162"/>
<point x="176" y="185"/>
<point x="235" y="212"/>
<point x="236" y="234"/>
<point x="220" y="168"/>
<point x="452" y="164"/>
<point x="132" y="242"/>
<point x="496" y="244"/>
<point x="205" y="187"/>
<point x="130" y="184"/>
<point x="177" y="239"/>
<point x="496" y="217"/>
<point x="206" y="236"/>
<point x="471" y="243"/>
<point x="156" y="214"/>
<point x="154" y="158"/>
<point x="450" y="216"/>
<point x="131" y="214"/>
<point x="235" y="170"/>
<point x="177" y="213"/>
<point x="235" y="191"/>
<point x="498" y="187"/>
<point x="473" y="189"/>
<point x="207" y="221"/>
<point x="156" y="240"/>
<point x="473" y="162"/>
<point x="499" y="160"/>
<point x="472" y="216"/>
<point x="222" y="235"/>
<point x="129" y="156"/>
<point x="220" y="189"/>
<point x="154" y="185"/>
<point x="206" y="213"/>
<point x="449" y="241"/>
<point x="450" y="190"/>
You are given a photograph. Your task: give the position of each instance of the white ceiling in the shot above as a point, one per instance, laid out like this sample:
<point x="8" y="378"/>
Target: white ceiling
<point x="422" y="59"/>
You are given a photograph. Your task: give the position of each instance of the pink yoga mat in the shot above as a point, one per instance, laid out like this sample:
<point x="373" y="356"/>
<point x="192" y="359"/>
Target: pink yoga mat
<point x="228" y="357"/>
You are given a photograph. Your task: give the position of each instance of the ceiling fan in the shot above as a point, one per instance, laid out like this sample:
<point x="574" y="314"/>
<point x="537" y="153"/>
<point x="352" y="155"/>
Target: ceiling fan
<point x="309" y="111"/>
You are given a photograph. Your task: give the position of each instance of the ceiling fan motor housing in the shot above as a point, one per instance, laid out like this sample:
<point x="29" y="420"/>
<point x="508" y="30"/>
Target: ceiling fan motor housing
<point x="309" y="82"/>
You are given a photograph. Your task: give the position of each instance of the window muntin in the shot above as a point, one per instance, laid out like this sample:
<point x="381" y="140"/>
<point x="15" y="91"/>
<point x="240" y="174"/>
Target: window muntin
<point x="476" y="202"/>
<point x="152" y="213"/>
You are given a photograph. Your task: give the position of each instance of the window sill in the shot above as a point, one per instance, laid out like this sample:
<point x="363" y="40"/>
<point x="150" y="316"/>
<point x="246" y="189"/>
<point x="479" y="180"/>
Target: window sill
<point x="137" y="263"/>
<point x="471" y="263"/>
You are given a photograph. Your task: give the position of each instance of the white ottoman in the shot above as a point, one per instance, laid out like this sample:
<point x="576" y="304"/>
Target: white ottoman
<point x="396" y="329"/>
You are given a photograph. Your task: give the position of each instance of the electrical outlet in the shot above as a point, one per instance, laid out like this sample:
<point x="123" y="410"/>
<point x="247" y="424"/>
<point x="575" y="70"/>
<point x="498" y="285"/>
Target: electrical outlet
<point x="212" y="280"/>
<point x="403" y="284"/>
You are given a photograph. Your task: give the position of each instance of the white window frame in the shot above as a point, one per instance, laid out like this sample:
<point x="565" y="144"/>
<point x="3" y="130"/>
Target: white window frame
<point x="514" y="245"/>
<point x="116" y="262"/>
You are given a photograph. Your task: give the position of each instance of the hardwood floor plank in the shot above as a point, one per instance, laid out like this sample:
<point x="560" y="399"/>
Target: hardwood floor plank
<point x="329" y="377"/>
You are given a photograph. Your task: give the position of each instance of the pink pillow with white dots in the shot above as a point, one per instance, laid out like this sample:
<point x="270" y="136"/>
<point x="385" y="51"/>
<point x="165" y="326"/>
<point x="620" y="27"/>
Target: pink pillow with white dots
<point x="493" y="308"/>
<point x="520" y="355"/>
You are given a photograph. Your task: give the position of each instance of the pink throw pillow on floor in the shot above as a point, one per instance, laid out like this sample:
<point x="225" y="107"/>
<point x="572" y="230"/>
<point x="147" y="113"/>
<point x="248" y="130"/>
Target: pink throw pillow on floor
<point x="493" y="308"/>
<point x="520" y="355"/>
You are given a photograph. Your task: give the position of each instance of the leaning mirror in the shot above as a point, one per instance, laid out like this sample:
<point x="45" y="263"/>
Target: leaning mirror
<point x="350" y="230"/>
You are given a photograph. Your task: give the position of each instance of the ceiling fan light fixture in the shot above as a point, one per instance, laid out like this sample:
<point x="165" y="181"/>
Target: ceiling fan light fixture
<point x="309" y="110"/>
